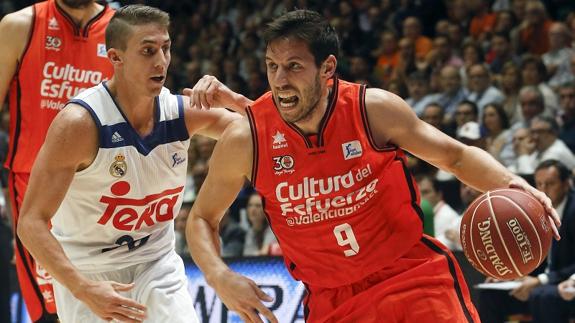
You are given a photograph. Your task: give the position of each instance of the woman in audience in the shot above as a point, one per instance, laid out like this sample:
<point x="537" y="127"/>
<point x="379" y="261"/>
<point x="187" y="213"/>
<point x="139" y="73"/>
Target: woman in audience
<point x="259" y="236"/>
<point x="510" y="83"/>
<point x="498" y="135"/>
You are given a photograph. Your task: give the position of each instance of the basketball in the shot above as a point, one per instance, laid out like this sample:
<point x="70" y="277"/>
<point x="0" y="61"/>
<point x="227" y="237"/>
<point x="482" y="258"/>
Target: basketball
<point x="505" y="233"/>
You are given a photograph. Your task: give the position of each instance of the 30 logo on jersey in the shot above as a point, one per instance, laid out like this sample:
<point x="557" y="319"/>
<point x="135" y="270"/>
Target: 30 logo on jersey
<point x="53" y="43"/>
<point x="283" y="164"/>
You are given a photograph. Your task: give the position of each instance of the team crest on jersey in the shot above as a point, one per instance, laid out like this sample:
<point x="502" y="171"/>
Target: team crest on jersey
<point x="53" y="24"/>
<point x="53" y="43"/>
<point x="101" y="51"/>
<point x="279" y="140"/>
<point x="351" y="149"/>
<point x="283" y="164"/>
<point x="119" y="167"/>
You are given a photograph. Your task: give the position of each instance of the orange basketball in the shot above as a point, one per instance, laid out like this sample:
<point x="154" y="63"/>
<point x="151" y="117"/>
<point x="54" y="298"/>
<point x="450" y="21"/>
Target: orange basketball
<point x="505" y="233"/>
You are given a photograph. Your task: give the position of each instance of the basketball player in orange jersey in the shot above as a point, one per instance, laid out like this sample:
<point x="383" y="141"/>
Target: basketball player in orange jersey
<point x="326" y="156"/>
<point x="50" y="51"/>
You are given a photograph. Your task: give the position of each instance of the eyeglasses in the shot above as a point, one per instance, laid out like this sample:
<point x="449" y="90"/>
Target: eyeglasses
<point x="542" y="130"/>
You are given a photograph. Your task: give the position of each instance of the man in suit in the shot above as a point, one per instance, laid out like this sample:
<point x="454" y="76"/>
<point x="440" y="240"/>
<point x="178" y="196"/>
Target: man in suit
<point x="538" y="293"/>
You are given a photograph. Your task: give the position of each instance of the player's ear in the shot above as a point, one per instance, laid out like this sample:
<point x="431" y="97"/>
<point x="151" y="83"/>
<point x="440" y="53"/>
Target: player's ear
<point x="114" y="56"/>
<point x="328" y="66"/>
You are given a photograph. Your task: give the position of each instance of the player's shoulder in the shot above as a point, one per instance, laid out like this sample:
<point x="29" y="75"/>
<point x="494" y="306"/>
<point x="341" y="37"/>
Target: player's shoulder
<point x="238" y="132"/>
<point x="74" y="118"/>
<point x="19" y="20"/>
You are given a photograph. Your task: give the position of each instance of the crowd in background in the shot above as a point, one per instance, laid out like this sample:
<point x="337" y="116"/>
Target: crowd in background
<point x="496" y="74"/>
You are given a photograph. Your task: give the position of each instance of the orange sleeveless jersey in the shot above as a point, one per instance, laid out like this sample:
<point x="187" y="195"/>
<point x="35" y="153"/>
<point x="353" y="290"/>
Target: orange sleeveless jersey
<point x="60" y="60"/>
<point x="341" y="208"/>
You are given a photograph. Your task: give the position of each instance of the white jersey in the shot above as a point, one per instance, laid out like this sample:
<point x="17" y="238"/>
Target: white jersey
<point x="120" y="210"/>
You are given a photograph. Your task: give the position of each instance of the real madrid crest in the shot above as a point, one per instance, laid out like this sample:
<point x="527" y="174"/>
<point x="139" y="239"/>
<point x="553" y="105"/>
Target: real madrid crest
<point x="119" y="166"/>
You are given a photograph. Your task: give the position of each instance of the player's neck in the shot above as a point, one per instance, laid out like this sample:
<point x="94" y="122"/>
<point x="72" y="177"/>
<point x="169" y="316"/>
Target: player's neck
<point x="138" y="108"/>
<point x="81" y="16"/>
<point x="311" y="124"/>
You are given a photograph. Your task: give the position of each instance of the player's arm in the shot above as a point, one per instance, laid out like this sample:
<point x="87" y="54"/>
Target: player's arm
<point x="71" y="145"/>
<point x="17" y="23"/>
<point x="392" y="121"/>
<point x="210" y="123"/>
<point x="230" y="165"/>
<point x="209" y="92"/>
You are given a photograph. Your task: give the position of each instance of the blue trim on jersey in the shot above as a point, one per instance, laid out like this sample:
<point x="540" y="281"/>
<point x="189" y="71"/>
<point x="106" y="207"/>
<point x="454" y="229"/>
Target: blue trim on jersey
<point x="123" y="134"/>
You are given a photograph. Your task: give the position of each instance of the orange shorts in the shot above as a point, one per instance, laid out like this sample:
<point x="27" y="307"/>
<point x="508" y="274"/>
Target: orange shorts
<point x="425" y="285"/>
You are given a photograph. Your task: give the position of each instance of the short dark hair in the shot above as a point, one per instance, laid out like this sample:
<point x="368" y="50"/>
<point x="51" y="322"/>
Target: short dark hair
<point x="308" y="26"/>
<point x="564" y="172"/>
<point x="471" y="104"/>
<point x="119" y="28"/>
<point x="550" y="121"/>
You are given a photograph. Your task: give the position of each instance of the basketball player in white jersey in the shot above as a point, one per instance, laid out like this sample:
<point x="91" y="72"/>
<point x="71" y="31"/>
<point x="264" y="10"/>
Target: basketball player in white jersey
<point x="110" y="179"/>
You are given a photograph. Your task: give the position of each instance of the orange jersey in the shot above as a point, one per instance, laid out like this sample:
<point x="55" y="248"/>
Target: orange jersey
<point x="60" y="60"/>
<point x="340" y="207"/>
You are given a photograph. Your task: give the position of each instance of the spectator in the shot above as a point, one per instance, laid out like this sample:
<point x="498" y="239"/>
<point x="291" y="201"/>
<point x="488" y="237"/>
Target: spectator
<point x="472" y="54"/>
<point x="534" y="73"/>
<point x="407" y="62"/>
<point x="467" y="195"/>
<point x="443" y="214"/>
<point x="481" y="90"/>
<point x="567" y="117"/>
<point x="412" y="31"/>
<point x="418" y="90"/>
<point x="501" y="53"/>
<point x="259" y="236"/>
<point x="470" y="134"/>
<point x="433" y="114"/>
<point x="532" y="104"/>
<point x="538" y="293"/>
<point x="544" y="131"/>
<point x="498" y="141"/>
<point x="232" y="237"/>
<point x="386" y="55"/>
<point x="442" y="55"/>
<point x="534" y="36"/>
<point x="466" y="112"/>
<point x="452" y="92"/>
<point x="510" y="83"/>
<point x="557" y="59"/>
<point x="482" y="22"/>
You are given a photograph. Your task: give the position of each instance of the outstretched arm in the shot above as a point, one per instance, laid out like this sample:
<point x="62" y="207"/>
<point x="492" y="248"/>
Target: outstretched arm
<point x="209" y="92"/>
<point x="391" y="120"/>
<point x="71" y="145"/>
<point x="230" y="165"/>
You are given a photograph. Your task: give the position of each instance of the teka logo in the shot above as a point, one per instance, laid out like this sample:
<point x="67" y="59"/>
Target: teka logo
<point x="279" y="140"/>
<point x="351" y="149"/>
<point x="124" y="213"/>
<point x="53" y="43"/>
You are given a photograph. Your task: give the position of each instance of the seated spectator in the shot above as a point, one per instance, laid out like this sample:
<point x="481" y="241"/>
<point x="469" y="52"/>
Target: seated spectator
<point x="259" y="236"/>
<point x="466" y="111"/>
<point x="567" y="116"/>
<point x="433" y="114"/>
<point x="482" y="22"/>
<point x="523" y="144"/>
<point x="470" y="134"/>
<point x="418" y="92"/>
<point x="407" y="62"/>
<point x="501" y="52"/>
<point x="498" y="135"/>
<point x="544" y="131"/>
<point x="443" y="215"/>
<point x="532" y="104"/>
<point x="232" y="237"/>
<point x="472" y="54"/>
<point x="451" y="91"/>
<point x="538" y="293"/>
<point x="534" y="73"/>
<point x="510" y="83"/>
<point x="534" y="36"/>
<point x="442" y="55"/>
<point x="412" y="30"/>
<point x="481" y="90"/>
<point x="557" y="58"/>
<point x="386" y="56"/>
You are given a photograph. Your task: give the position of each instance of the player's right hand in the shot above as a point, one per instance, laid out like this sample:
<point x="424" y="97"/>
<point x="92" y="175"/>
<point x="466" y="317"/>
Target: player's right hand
<point x="244" y="297"/>
<point x="103" y="298"/>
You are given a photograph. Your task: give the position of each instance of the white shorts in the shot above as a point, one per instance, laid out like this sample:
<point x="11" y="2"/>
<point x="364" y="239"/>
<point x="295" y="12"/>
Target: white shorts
<point x="162" y="286"/>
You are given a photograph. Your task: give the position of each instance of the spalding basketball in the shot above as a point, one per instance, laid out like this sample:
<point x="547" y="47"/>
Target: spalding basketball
<point x="505" y="233"/>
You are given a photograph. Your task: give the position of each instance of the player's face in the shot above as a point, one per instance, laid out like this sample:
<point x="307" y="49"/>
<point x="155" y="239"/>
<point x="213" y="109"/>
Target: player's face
<point x="146" y="58"/>
<point x="294" y="79"/>
<point x="548" y="181"/>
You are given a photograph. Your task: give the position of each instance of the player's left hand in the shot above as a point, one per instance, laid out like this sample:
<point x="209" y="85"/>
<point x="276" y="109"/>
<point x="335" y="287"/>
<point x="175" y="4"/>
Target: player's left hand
<point x="209" y="93"/>
<point x="527" y="284"/>
<point x="545" y="201"/>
